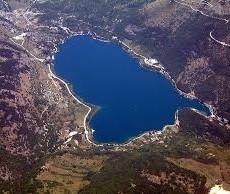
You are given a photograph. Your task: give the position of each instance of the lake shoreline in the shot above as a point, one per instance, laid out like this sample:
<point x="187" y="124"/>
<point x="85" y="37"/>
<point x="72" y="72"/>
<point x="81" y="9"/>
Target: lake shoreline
<point x="155" y="68"/>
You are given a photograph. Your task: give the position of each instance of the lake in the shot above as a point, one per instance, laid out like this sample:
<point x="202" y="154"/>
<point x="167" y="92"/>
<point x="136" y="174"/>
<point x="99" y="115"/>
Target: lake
<point x="132" y="99"/>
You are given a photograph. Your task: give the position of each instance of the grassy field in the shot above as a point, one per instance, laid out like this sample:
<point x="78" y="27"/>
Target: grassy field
<point x="66" y="173"/>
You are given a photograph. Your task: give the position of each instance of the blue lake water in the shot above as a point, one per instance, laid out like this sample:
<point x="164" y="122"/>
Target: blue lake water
<point x="132" y="99"/>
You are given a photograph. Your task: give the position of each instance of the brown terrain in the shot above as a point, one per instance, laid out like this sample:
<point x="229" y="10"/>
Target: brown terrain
<point x="190" y="39"/>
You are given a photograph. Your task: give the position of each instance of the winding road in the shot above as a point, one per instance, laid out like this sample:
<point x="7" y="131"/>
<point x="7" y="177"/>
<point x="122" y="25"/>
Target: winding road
<point x="87" y="114"/>
<point x="52" y="75"/>
<point x="204" y="14"/>
<point x="220" y="42"/>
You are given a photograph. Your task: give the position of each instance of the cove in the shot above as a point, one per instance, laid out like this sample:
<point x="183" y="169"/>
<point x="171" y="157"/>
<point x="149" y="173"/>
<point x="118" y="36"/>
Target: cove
<point x="132" y="100"/>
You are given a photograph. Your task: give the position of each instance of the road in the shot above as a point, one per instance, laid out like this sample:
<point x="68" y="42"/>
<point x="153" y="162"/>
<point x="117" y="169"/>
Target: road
<point x="52" y="75"/>
<point x="204" y="14"/>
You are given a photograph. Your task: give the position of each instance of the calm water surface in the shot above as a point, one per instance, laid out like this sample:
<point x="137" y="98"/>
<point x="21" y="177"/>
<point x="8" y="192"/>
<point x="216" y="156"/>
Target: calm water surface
<point x="132" y="100"/>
